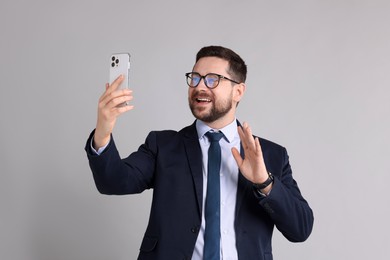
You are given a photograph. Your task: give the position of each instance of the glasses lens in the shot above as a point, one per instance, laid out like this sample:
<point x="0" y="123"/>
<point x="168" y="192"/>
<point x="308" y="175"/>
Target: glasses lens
<point x="193" y="79"/>
<point x="212" y="80"/>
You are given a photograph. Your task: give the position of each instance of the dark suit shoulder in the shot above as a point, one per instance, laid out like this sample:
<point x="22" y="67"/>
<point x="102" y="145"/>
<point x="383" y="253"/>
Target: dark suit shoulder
<point x="275" y="155"/>
<point x="164" y="133"/>
<point x="265" y="143"/>
<point x="169" y="138"/>
<point x="188" y="131"/>
<point x="167" y="134"/>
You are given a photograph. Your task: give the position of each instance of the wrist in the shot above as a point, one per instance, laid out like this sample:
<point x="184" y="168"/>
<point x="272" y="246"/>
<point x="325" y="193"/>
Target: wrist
<point x="263" y="189"/>
<point x="265" y="184"/>
<point x="99" y="141"/>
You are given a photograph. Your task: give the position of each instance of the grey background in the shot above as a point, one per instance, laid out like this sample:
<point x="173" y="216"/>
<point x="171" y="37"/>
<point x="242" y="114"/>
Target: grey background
<point x="318" y="84"/>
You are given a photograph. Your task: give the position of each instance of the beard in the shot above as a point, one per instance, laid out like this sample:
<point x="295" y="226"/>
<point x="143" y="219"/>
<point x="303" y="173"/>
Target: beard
<point x="218" y="109"/>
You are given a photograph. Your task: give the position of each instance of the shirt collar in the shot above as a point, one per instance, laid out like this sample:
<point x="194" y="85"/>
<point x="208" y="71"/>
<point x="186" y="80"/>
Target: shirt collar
<point x="229" y="131"/>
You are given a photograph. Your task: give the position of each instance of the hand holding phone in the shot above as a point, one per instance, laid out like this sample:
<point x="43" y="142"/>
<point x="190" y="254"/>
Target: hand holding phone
<point x="107" y="116"/>
<point x="120" y="65"/>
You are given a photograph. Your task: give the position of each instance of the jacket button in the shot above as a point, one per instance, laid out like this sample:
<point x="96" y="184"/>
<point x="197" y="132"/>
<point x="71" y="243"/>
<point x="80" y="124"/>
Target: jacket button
<point x="194" y="230"/>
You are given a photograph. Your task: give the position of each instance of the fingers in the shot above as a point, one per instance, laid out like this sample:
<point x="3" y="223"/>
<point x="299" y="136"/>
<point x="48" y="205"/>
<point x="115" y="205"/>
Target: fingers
<point x="247" y="139"/>
<point x="107" y="115"/>
<point x="115" y="84"/>
<point x="258" y="147"/>
<point x="246" y="136"/>
<point x="122" y="109"/>
<point x="110" y="104"/>
<point x="115" y="100"/>
<point x="237" y="156"/>
<point x="113" y="96"/>
<point x="111" y="88"/>
<point x="118" y="98"/>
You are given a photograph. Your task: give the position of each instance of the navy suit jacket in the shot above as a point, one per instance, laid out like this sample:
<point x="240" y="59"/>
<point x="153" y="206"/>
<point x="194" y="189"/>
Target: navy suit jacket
<point x="170" y="163"/>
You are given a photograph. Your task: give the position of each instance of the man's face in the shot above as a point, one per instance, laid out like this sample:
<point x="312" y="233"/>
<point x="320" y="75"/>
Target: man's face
<point x="210" y="105"/>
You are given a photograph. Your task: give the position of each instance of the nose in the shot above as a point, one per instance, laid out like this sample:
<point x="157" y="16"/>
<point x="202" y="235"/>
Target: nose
<point x="202" y="84"/>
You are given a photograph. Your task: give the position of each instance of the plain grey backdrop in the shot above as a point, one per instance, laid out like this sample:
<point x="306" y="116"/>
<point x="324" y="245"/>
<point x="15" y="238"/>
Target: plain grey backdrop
<point x="318" y="83"/>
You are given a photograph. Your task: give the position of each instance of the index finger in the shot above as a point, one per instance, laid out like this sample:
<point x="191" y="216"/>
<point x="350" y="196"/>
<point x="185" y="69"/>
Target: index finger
<point x="112" y="87"/>
<point x="115" y="84"/>
<point x="246" y="135"/>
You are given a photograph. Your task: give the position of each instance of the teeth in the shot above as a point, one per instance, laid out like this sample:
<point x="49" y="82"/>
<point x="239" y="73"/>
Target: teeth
<point x="203" y="99"/>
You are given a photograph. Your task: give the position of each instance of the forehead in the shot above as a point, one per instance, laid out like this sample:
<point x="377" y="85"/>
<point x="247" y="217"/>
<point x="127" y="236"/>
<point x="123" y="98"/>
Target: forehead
<point x="211" y="65"/>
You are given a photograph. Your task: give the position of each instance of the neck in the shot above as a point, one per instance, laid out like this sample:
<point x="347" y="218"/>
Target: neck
<point x="220" y="123"/>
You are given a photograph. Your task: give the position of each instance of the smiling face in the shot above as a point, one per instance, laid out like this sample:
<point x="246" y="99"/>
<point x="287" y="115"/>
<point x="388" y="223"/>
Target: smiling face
<point x="216" y="106"/>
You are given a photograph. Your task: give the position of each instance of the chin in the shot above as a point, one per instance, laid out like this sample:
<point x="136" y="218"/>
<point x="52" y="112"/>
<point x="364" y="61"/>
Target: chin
<point x="201" y="116"/>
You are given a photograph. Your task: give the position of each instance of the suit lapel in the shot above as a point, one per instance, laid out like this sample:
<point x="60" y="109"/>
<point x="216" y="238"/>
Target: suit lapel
<point x="243" y="184"/>
<point x="194" y="158"/>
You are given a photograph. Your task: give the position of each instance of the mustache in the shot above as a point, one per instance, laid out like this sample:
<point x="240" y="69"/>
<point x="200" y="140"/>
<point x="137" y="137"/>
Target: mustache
<point x="201" y="94"/>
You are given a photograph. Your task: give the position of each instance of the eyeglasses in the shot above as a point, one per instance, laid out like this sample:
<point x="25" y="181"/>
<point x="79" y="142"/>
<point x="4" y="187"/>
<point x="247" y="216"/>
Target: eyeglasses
<point x="211" y="80"/>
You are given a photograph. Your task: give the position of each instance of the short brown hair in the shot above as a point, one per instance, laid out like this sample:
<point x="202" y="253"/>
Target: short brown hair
<point x="237" y="66"/>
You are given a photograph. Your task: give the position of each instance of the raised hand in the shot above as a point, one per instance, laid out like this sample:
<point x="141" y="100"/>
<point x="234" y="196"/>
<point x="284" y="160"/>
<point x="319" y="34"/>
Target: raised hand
<point x="109" y="108"/>
<point x="252" y="166"/>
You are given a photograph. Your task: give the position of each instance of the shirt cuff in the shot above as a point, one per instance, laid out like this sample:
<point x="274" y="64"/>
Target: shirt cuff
<point x="260" y="194"/>
<point x="100" y="150"/>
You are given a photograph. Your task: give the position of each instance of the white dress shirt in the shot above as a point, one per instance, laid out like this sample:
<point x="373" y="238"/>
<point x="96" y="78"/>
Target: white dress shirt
<point x="228" y="182"/>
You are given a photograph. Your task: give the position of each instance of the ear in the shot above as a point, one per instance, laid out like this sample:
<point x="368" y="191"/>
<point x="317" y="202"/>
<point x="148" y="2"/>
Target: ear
<point x="239" y="91"/>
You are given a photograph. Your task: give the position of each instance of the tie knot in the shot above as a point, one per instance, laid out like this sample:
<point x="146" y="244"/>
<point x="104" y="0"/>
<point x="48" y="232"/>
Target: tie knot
<point x="214" y="136"/>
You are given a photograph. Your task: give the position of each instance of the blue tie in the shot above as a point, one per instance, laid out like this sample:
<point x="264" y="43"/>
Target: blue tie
<point x="212" y="207"/>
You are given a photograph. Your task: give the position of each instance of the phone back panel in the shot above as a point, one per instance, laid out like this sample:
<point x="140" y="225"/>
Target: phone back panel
<point x="120" y="64"/>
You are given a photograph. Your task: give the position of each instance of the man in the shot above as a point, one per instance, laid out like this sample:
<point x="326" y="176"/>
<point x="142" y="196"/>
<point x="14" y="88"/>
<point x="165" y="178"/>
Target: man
<point x="195" y="215"/>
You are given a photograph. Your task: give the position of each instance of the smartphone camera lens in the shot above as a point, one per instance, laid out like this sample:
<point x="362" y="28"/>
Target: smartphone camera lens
<point x="113" y="58"/>
<point x="117" y="61"/>
<point x="113" y="64"/>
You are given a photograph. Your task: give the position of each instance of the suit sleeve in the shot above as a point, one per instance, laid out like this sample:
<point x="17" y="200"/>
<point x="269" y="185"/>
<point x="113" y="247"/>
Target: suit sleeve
<point x="286" y="206"/>
<point x="116" y="176"/>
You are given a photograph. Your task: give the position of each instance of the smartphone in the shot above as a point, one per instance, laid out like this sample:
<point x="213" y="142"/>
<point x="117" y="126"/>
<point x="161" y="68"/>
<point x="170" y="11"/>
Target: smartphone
<point x="120" y="65"/>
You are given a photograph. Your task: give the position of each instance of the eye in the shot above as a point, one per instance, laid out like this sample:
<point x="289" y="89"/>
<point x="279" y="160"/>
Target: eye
<point x="195" y="78"/>
<point x="212" y="80"/>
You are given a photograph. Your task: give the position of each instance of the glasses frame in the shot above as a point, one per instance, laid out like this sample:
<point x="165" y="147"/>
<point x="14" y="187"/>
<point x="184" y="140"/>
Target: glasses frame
<point x="205" y="81"/>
